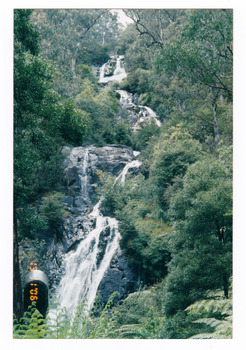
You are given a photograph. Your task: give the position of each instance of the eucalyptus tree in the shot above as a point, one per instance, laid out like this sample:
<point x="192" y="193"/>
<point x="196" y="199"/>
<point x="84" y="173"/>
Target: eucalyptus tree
<point x="25" y="40"/>
<point x="201" y="53"/>
<point x="152" y="24"/>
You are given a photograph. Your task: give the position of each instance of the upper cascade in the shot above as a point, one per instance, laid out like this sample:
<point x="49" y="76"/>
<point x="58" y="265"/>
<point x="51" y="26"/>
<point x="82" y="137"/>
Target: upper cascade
<point x="137" y="113"/>
<point x="119" y="73"/>
<point x="113" y="71"/>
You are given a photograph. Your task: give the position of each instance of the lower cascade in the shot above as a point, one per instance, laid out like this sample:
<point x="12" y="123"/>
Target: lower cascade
<point x="84" y="267"/>
<point x="93" y="239"/>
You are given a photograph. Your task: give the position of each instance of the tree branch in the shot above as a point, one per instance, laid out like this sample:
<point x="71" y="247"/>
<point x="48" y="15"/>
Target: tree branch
<point x="92" y="24"/>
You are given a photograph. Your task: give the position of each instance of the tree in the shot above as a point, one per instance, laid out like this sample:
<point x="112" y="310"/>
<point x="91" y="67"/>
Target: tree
<point x="38" y="136"/>
<point x="202" y="244"/>
<point x="23" y="42"/>
<point x="202" y="53"/>
<point x="153" y="23"/>
<point x="72" y="37"/>
<point x="52" y="209"/>
<point x="173" y="152"/>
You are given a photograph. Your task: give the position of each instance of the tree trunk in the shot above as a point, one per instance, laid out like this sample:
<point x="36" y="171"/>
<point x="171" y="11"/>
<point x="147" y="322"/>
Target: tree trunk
<point x="215" y="119"/>
<point x="17" y="288"/>
<point x="226" y="286"/>
<point x="73" y="67"/>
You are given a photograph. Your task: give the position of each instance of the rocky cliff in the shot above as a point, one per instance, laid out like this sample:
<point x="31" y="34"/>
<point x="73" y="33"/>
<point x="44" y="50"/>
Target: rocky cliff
<point x="80" y="177"/>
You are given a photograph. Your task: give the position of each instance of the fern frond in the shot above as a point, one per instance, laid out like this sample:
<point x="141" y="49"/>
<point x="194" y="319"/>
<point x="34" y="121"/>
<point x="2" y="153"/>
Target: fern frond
<point x="223" y="306"/>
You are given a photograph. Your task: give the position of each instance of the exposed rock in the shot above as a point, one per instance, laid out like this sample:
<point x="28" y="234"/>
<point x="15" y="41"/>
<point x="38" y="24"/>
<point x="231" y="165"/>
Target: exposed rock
<point x="118" y="277"/>
<point x="80" y="176"/>
<point x="109" y="159"/>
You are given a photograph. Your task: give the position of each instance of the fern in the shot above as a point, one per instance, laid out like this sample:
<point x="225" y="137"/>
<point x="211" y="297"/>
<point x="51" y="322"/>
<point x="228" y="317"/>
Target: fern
<point x="58" y="324"/>
<point x="149" y="328"/>
<point x="215" y="313"/>
<point x="103" y="326"/>
<point x="31" y="326"/>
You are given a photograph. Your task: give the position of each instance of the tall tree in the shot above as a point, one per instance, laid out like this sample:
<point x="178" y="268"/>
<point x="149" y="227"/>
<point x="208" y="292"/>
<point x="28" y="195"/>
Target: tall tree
<point x="153" y="23"/>
<point x="202" y="215"/>
<point x="202" y="53"/>
<point x="26" y="39"/>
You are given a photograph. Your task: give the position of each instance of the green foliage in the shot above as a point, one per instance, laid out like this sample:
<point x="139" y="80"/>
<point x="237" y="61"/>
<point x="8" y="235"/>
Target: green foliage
<point x="173" y="152"/>
<point x="73" y="124"/>
<point x="102" y="107"/>
<point x="216" y="313"/>
<point x="141" y="139"/>
<point x="204" y="49"/>
<point x="59" y="325"/>
<point x="31" y="326"/>
<point x="139" y="315"/>
<point x="26" y="36"/>
<point x="182" y="66"/>
<point x="42" y="123"/>
<point x="109" y="191"/>
<point x="31" y="222"/>
<point x="53" y="209"/>
<point x="201" y="246"/>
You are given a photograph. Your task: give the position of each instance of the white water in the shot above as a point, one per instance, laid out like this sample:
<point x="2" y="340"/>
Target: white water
<point x="82" y="273"/>
<point x="118" y="75"/>
<point x="125" y="97"/>
<point x="122" y="176"/>
<point x="84" y="268"/>
<point x="146" y="114"/>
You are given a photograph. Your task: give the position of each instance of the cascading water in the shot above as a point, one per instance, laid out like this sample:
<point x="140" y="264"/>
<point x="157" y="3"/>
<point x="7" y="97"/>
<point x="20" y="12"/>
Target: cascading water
<point x="118" y="75"/>
<point x="84" y="268"/>
<point x="142" y="114"/>
<point x="125" y="97"/>
<point x="122" y="176"/>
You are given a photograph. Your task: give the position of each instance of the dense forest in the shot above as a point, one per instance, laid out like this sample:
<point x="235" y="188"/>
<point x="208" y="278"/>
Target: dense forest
<point x="175" y="214"/>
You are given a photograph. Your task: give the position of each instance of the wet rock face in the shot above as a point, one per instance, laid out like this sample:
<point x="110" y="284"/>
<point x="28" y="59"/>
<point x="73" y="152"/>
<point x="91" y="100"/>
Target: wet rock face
<point x="118" y="277"/>
<point x="82" y="166"/>
<point x="80" y="176"/>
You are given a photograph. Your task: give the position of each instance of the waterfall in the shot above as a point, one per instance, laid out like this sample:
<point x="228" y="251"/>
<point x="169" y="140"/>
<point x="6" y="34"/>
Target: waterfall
<point x="118" y="75"/>
<point x="146" y="114"/>
<point x="133" y="164"/>
<point x="142" y="113"/>
<point x="84" y="267"/>
<point x="125" y="97"/>
<point x="152" y="115"/>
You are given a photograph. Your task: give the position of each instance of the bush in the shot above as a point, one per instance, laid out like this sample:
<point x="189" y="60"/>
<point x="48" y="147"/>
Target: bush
<point x="52" y="209"/>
